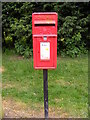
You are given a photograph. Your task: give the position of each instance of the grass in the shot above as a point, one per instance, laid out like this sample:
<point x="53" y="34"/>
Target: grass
<point x="67" y="85"/>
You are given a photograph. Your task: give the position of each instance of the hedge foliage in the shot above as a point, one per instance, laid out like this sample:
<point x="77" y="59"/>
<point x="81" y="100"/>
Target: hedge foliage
<point x="73" y="26"/>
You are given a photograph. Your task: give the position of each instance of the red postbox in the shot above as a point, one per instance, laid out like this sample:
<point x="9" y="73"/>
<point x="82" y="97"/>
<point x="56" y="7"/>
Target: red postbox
<point x="44" y="33"/>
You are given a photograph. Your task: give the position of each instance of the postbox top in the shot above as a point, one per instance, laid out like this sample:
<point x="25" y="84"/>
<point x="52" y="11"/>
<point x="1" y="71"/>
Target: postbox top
<point x="44" y="23"/>
<point x="45" y="13"/>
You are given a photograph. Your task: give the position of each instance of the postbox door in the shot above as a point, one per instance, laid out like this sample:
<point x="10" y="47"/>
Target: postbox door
<point x="44" y="52"/>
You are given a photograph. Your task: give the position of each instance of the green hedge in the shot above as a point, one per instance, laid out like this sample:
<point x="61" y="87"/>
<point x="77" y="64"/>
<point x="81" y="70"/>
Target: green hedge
<point x="73" y="25"/>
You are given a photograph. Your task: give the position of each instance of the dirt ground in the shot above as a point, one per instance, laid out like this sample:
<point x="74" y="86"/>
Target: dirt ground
<point x="13" y="109"/>
<point x="2" y="69"/>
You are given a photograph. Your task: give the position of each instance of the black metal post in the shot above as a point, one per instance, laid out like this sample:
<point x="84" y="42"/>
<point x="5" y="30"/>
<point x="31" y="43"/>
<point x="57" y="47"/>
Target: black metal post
<point x="45" y="84"/>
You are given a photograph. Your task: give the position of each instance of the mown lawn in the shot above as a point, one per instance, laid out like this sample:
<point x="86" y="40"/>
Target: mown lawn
<point x="67" y="85"/>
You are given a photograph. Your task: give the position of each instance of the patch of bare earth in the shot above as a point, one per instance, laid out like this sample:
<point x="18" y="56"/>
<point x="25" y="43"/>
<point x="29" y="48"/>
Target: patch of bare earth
<point x="16" y="57"/>
<point x="63" y="83"/>
<point x="8" y="85"/>
<point x="2" y="69"/>
<point x="14" y="109"/>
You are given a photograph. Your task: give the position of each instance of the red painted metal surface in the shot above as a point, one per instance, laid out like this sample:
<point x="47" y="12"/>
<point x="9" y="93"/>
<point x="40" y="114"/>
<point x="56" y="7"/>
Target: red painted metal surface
<point x="44" y="33"/>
